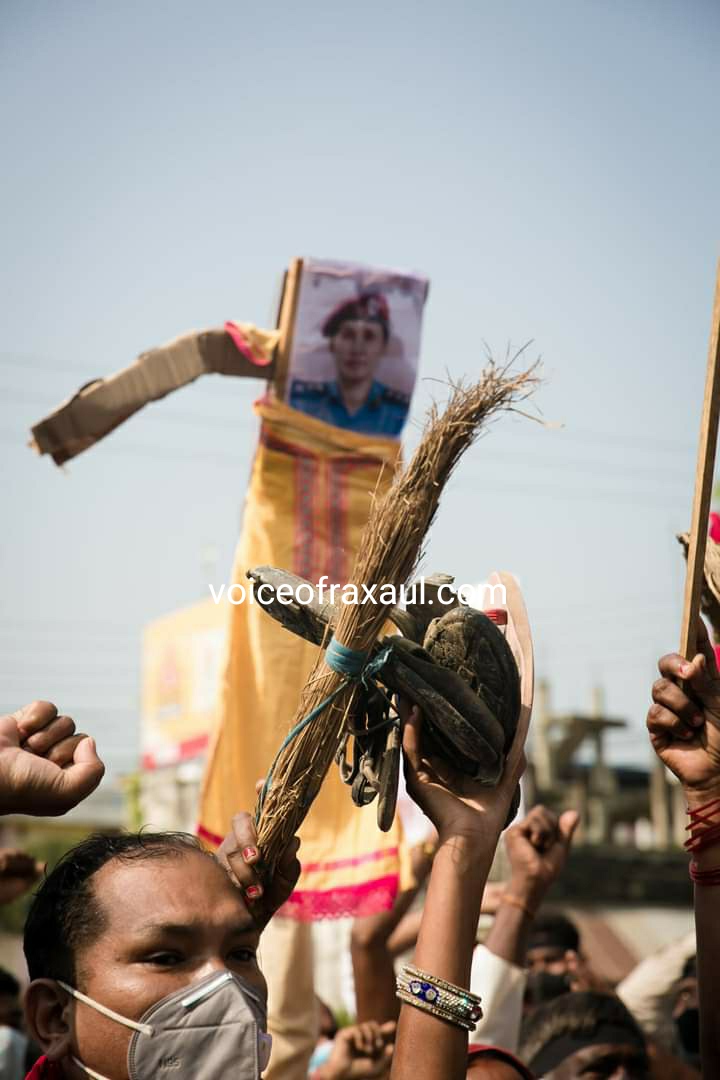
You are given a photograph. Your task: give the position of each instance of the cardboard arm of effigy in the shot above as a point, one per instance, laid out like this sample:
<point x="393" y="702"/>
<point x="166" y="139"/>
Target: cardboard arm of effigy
<point x="100" y="406"/>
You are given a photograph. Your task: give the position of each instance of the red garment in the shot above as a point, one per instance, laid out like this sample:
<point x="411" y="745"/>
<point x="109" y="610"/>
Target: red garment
<point x="45" y="1070"/>
<point x="477" y="1050"/>
<point x="714" y="530"/>
<point x="714" y="534"/>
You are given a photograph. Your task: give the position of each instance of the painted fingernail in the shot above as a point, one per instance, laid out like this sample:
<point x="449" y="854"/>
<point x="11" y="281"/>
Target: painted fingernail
<point x="698" y="719"/>
<point x="249" y="853"/>
<point x="684" y="669"/>
<point x="253" y="891"/>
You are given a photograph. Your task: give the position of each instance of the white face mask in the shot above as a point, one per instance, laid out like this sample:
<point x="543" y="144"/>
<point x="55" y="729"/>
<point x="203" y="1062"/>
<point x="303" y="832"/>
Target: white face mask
<point x="210" y="1029"/>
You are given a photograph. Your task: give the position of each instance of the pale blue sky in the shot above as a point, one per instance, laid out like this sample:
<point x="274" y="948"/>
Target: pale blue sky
<point x="552" y="167"/>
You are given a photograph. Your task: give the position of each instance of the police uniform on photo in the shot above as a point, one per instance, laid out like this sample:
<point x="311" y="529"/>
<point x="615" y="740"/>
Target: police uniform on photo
<point x="383" y="412"/>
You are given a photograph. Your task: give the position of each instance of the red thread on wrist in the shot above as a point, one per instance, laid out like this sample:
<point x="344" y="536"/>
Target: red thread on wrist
<point x="704" y="877"/>
<point x="515" y="901"/>
<point x="703" y="826"/>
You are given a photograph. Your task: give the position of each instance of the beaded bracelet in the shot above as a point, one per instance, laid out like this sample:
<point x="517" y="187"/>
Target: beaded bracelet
<point x="442" y="999"/>
<point x="435" y="1010"/>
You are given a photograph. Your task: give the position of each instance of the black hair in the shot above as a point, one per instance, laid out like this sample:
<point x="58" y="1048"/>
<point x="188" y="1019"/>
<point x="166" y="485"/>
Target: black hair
<point x="327" y="1024"/>
<point x="554" y="930"/>
<point x="578" y="1013"/>
<point x="689" y="970"/>
<point x="65" y="914"/>
<point x="9" y="986"/>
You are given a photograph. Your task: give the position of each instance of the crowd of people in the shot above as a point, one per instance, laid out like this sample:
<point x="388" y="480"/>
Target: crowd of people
<point x="142" y="948"/>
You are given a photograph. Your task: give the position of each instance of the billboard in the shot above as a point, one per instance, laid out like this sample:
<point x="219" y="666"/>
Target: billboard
<point x="182" y="661"/>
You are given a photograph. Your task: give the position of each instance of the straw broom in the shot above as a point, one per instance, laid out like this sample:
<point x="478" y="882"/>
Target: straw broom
<point x="391" y="545"/>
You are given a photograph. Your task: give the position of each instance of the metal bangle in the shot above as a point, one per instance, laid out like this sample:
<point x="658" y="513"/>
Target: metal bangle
<point x="459" y="996"/>
<point x="434" y="1010"/>
<point x="457" y="1004"/>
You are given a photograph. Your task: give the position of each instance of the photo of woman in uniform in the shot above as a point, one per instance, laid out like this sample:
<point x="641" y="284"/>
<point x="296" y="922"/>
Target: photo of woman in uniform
<point x="356" y="346"/>
<point x="357" y="333"/>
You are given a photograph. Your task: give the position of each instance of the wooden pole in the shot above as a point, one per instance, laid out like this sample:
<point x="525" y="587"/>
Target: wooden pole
<point x="703" y="486"/>
<point x="286" y="324"/>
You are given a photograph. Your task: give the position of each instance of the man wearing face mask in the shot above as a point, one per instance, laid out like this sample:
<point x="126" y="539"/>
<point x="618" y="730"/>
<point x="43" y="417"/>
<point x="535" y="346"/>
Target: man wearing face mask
<point x="142" y="951"/>
<point x="554" y="961"/>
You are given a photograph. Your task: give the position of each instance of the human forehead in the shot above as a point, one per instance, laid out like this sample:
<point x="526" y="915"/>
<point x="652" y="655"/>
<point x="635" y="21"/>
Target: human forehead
<point x="176" y="888"/>
<point x="546" y="952"/>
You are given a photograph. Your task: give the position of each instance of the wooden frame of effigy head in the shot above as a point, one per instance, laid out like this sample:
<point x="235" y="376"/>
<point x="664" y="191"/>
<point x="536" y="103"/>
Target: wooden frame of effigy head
<point x="356" y="345"/>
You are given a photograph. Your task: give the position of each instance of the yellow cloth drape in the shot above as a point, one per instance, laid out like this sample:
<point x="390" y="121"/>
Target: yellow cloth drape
<point x="308" y="500"/>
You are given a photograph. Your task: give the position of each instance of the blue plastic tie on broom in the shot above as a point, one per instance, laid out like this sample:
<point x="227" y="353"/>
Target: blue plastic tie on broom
<point x="356" y="667"/>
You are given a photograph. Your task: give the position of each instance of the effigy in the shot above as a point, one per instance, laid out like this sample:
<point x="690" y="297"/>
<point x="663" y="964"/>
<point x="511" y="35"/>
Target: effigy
<point x="340" y="368"/>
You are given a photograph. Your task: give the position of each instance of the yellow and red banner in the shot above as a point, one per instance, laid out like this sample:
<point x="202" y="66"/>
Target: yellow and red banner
<point x="309" y="498"/>
<point x="182" y="660"/>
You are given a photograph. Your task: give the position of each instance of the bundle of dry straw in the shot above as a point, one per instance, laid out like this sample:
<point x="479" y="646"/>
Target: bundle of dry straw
<point x="391" y="545"/>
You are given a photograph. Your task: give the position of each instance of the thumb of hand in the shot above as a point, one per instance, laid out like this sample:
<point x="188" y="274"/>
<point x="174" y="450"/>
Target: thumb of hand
<point x="81" y="778"/>
<point x="567" y="824"/>
<point x="8" y="731"/>
<point x="701" y="675"/>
